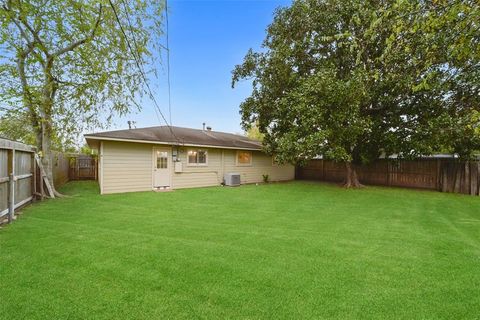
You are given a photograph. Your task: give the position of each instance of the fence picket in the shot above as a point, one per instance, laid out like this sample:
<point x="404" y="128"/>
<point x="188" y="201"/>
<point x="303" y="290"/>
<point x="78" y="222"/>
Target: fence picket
<point x="444" y="174"/>
<point x="20" y="179"/>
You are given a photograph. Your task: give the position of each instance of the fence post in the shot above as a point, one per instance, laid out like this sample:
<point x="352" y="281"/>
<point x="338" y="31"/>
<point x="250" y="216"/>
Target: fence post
<point x="11" y="185"/>
<point x="34" y="177"/>
<point x="439" y="175"/>
<point x="323" y="169"/>
<point x="389" y="183"/>
<point x="474" y="175"/>
<point x="478" y="178"/>
<point x="11" y="197"/>
<point x="445" y="170"/>
<point x="96" y="169"/>
<point x="466" y="180"/>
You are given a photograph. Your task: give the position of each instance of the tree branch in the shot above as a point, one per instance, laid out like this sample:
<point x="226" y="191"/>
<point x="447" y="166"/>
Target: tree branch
<point x="35" y="35"/>
<point x="81" y="41"/>
<point x="25" y="87"/>
<point x="18" y="21"/>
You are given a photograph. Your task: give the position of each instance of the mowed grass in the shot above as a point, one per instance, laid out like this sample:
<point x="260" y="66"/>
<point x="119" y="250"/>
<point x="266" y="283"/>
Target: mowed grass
<point x="280" y="251"/>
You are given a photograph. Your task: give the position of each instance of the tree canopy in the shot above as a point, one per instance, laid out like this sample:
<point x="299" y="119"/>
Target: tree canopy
<point x="354" y="81"/>
<point x="254" y="133"/>
<point x="66" y="65"/>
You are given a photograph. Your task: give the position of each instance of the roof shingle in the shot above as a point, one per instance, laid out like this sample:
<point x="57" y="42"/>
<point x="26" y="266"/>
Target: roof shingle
<point x="180" y="136"/>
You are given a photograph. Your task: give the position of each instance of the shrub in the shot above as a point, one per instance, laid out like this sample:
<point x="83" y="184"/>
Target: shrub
<point x="266" y="178"/>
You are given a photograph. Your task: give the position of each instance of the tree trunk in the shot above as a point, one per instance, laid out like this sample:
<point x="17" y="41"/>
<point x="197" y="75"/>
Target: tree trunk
<point x="47" y="152"/>
<point x="46" y="125"/>
<point x="351" y="177"/>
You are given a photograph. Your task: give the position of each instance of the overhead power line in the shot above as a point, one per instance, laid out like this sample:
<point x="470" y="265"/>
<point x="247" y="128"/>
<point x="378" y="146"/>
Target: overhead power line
<point x="138" y="64"/>
<point x="168" y="65"/>
<point x="134" y="53"/>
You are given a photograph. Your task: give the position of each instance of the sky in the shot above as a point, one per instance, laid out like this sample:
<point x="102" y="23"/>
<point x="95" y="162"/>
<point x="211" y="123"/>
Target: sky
<point x="207" y="39"/>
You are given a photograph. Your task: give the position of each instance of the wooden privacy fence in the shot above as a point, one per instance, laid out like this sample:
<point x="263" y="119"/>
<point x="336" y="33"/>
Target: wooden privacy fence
<point x="442" y="174"/>
<point x="60" y="167"/>
<point x="22" y="180"/>
<point x="83" y="167"/>
<point x="17" y="176"/>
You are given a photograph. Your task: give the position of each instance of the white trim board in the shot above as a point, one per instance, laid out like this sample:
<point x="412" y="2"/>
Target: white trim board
<point x="100" y="178"/>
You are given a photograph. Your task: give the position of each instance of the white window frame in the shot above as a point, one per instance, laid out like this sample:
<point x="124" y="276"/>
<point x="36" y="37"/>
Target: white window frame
<point x="197" y="164"/>
<point x="243" y="164"/>
<point x="157" y="156"/>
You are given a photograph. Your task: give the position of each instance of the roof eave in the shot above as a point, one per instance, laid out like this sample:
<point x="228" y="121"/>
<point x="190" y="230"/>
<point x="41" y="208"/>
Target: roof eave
<point x="92" y="137"/>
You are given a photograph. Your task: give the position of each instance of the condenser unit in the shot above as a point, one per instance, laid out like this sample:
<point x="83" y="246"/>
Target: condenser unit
<point x="232" y="179"/>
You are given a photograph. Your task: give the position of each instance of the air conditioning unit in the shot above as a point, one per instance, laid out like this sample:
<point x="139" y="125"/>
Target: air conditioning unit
<point x="232" y="179"/>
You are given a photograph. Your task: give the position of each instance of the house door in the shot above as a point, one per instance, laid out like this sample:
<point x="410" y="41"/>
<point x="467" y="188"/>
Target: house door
<point x="161" y="167"/>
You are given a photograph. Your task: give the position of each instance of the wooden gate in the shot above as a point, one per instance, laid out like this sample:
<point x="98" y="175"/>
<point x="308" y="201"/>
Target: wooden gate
<point x="83" y="167"/>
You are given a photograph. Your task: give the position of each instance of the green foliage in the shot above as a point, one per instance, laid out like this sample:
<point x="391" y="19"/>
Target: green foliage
<point x="253" y="132"/>
<point x="266" y="178"/>
<point x="15" y="125"/>
<point x="353" y="81"/>
<point x="85" y="149"/>
<point x="65" y="65"/>
<point x="435" y="51"/>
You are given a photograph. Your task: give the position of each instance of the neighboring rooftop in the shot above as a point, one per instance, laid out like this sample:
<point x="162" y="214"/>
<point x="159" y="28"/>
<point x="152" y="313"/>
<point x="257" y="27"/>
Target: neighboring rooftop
<point x="177" y="136"/>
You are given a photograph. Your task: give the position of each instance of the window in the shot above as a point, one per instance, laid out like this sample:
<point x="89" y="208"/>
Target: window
<point x="244" y="158"/>
<point x="162" y="160"/>
<point x="197" y="157"/>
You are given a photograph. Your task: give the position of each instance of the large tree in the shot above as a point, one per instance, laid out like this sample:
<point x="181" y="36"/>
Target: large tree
<point x="354" y="81"/>
<point x="435" y="45"/>
<point x="65" y="65"/>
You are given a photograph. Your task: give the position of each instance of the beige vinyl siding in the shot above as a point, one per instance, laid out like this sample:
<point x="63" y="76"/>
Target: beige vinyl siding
<point x="212" y="174"/>
<point x="261" y="164"/>
<point x="126" y="167"/>
<point x="199" y="176"/>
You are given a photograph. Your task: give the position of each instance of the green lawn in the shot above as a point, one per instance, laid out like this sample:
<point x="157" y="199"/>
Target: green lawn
<point x="280" y="251"/>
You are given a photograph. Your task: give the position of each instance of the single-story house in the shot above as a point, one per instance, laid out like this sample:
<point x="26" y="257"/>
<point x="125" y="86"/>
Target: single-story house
<point x="173" y="157"/>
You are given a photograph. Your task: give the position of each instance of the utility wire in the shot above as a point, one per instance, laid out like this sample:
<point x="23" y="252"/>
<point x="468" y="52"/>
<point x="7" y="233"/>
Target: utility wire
<point x="137" y="62"/>
<point x="168" y="65"/>
<point x="134" y="53"/>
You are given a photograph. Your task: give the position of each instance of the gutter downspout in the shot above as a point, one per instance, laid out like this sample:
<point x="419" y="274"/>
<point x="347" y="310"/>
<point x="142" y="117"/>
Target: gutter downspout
<point x="223" y="166"/>
<point x="101" y="167"/>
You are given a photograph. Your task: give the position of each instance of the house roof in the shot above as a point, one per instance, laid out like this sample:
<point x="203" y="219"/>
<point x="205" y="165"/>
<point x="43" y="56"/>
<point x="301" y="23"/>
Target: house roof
<point x="177" y="136"/>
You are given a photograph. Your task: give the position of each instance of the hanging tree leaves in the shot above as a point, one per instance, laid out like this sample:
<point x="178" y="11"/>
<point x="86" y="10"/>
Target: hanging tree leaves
<point x="65" y="65"/>
<point x="354" y="81"/>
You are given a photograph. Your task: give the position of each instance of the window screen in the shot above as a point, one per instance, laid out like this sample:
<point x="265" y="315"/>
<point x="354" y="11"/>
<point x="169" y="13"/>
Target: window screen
<point x="197" y="157"/>
<point x="244" y="157"/>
